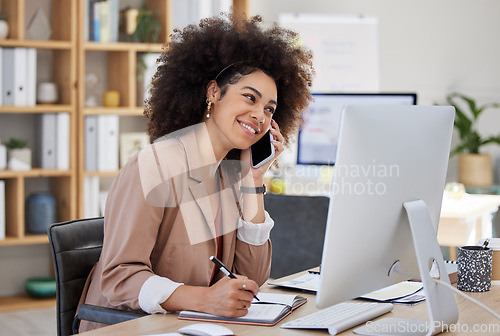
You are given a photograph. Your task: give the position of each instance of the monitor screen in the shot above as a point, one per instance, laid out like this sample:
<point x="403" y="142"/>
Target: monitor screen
<point x="318" y="137"/>
<point x="385" y="203"/>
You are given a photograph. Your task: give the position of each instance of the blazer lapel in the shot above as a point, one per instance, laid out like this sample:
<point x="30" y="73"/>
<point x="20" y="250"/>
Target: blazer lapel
<point x="195" y="168"/>
<point x="200" y="196"/>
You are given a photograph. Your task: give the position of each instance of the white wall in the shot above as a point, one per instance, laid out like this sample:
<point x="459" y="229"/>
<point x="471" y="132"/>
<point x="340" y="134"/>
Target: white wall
<point x="427" y="46"/>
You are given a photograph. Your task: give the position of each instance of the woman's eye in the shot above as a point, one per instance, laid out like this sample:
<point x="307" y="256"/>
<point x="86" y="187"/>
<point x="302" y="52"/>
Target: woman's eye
<point x="270" y="110"/>
<point x="250" y="97"/>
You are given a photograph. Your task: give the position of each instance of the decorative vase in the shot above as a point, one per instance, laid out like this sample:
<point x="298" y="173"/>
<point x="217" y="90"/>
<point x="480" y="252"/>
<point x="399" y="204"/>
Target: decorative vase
<point x="19" y="159"/>
<point x="111" y="99"/>
<point x="4" y="29"/>
<point x="46" y="93"/>
<point x="40" y="212"/>
<point x="475" y="170"/>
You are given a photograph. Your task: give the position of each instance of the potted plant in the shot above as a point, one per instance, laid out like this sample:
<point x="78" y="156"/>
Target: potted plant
<point x="18" y="155"/>
<point x="148" y="26"/>
<point x="474" y="168"/>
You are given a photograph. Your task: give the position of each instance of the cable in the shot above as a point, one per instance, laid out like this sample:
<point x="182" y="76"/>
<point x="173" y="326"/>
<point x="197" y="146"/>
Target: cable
<point x="488" y="309"/>
<point x="398" y="269"/>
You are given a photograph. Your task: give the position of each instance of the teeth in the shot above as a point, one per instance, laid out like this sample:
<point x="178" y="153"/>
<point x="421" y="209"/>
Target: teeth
<point x="248" y="127"/>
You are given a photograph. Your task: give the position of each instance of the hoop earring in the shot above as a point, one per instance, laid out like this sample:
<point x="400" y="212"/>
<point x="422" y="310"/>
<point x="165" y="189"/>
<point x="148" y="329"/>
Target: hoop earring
<point x="209" y="108"/>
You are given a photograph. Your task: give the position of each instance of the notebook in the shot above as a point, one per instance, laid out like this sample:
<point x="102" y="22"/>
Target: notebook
<point x="271" y="309"/>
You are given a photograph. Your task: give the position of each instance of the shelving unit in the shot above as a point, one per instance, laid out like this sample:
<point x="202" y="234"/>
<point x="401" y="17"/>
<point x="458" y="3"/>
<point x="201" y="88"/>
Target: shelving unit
<point x="121" y="76"/>
<point x="69" y="52"/>
<point x="121" y="69"/>
<point x="61" y="183"/>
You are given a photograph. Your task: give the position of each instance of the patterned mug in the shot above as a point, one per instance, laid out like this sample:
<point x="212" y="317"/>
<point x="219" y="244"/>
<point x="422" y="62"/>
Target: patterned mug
<point x="474" y="268"/>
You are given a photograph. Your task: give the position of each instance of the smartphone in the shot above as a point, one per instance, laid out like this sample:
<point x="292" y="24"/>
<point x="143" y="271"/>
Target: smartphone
<point x="262" y="151"/>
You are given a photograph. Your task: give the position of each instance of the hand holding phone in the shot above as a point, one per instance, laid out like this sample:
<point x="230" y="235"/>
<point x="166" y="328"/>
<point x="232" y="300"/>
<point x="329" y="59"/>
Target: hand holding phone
<point x="262" y="151"/>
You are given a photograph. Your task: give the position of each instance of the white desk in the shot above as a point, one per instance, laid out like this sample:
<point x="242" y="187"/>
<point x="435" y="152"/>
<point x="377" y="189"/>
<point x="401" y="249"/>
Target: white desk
<point x="466" y="220"/>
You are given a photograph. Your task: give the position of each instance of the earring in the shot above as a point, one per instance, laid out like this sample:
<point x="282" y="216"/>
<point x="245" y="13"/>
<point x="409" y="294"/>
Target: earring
<point x="209" y="108"/>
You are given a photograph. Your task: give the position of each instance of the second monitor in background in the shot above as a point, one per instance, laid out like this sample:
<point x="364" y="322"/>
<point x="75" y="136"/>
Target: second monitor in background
<point x="317" y="142"/>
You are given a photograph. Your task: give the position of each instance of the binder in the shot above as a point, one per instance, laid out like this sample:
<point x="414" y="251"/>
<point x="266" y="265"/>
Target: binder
<point x="31" y="77"/>
<point x="91" y="197"/>
<point x="20" y="76"/>
<point x="62" y="140"/>
<point x="221" y="6"/>
<point x="1" y="76"/>
<point x="8" y="75"/>
<point x="87" y="213"/>
<point x="91" y="143"/>
<point x="48" y="141"/>
<point x="2" y="210"/>
<point x="149" y="60"/>
<point x="107" y="136"/>
<point x="14" y="76"/>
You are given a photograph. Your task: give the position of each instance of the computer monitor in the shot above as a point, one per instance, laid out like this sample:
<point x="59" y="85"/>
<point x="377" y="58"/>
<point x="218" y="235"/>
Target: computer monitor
<point x="318" y="137"/>
<point x="385" y="204"/>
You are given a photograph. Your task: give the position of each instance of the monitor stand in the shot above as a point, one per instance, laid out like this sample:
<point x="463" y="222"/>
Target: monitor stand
<point x="441" y="305"/>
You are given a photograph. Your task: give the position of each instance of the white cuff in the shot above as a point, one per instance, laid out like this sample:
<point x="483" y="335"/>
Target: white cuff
<point x="155" y="291"/>
<point x="255" y="234"/>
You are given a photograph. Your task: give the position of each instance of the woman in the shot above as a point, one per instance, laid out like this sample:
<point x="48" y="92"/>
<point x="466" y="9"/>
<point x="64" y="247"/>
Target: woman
<point x="192" y="193"/>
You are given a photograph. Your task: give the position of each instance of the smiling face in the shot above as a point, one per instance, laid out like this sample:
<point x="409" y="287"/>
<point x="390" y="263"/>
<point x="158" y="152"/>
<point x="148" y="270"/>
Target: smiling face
<point x="243" y="114"/>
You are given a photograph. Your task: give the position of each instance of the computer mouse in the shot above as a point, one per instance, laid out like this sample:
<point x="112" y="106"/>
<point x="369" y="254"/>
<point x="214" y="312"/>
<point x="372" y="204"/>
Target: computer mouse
<point x="205" y="329"/>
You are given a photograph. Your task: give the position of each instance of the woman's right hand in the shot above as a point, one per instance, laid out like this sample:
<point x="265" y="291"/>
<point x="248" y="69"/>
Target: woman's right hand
<point x="231" y="297"/>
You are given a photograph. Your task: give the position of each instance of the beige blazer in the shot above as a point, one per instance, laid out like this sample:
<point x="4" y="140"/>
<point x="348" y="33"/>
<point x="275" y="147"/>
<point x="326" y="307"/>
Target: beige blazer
<point x="142" y="238"/>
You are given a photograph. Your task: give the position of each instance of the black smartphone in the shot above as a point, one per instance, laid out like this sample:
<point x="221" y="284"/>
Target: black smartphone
<point x="262" y="151"/>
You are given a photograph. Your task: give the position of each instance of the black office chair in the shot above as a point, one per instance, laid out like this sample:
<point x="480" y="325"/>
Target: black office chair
<point x="76" y="246"/>
<point x="298" y="233"/>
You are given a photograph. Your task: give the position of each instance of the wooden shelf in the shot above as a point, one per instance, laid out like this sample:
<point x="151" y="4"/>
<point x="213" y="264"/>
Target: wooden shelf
<point x="29" y="239"/>
<point x="43" y="108"/>
<point x="123" y="46"/>
<point x="36" y="172"/>
<point x="64" y="45"/>
<point x="22" y="302"/>
<point x="122" y="111"/>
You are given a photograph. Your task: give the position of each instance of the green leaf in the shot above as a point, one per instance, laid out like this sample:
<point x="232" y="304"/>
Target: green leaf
<point x="16" y="143"/>
<point x="470" y="139"/>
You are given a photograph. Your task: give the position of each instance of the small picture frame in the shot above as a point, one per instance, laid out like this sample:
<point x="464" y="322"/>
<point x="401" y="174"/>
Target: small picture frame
<point x="130" y="144"/>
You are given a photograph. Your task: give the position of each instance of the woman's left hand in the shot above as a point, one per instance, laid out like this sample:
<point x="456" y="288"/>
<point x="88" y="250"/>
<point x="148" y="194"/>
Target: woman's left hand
<point x="277" y="142"/>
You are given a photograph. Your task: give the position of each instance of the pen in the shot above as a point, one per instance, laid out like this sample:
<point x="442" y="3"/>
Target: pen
<point x="227" y="272"/>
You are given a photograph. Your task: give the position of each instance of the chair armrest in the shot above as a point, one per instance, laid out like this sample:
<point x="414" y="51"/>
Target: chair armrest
<point x="103" y="315"/>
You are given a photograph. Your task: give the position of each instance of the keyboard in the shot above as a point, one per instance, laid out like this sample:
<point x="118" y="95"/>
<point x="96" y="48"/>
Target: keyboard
<point x="340" y="317"/>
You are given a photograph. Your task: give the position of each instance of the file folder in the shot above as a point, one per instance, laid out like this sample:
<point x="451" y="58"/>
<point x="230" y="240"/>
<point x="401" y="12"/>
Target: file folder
<point x="48" y="141"/>
<point x="62" y="140"/>
<point x="107" y="135"/>
<point x="31" y="77"/>
<point x="14" y="76"/>
<point x="91" y="143"/>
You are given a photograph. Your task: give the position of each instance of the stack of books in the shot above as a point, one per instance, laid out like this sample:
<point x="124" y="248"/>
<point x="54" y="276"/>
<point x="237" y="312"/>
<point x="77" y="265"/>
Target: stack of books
<point x="102" y="20"/>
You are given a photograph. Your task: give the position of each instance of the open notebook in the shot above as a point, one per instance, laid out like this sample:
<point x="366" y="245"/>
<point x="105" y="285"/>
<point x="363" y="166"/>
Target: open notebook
<point x="271" y="309"/>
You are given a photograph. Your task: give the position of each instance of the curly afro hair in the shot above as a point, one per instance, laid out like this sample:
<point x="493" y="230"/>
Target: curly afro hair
<point x="226" y="48"/>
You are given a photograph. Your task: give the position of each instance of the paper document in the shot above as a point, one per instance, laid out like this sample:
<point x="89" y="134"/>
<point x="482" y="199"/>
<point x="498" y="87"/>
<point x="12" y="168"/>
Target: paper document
<point x="397" y="291"/>
<point x="308" y="282"/>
